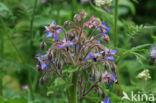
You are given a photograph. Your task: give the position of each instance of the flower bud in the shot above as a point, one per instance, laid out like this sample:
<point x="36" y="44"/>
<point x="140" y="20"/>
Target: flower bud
<point x="106" y="65"/>
<point x="106" y="38"/>
<point x="77" y="17"/>
<point x="114" y="67"/>
<point x="83" y="14"/>
<point x="41" y="81"/>
<point x="39" y="68"/>
<point x="50" y="56"/>
<point x="103" y="95"/>
<point x="66" y="23"/>
<point x="43" y="46"/>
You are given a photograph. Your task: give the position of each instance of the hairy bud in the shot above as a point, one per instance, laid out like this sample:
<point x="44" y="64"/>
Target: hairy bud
<point x="43" y="46"/>
<point x="106" y="65"/>
<point x="66" y="23"/>
<point x="50" y="56"/>
<point x="83" y="14"/>
<point x="106" y="39"/>
<point x="41" y="81"/>
<point x="39" y="68"/>
<point x="77" y="17"/>
<point x="114" y="67"/>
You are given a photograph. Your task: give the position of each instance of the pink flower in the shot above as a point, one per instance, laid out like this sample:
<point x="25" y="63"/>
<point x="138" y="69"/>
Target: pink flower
<point x="25" y="87"/>
<point x="92" y="22"/>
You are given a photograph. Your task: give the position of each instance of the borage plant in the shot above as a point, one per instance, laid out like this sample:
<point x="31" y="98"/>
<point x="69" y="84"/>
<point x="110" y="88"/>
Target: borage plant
<point x="79" y="57"/>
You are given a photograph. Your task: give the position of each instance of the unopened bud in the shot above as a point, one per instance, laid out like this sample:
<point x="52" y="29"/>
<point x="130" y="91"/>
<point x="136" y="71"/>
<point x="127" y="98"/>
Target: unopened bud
<point x="83" y="14"/>
<point x="106" y="65"/>
<point x="39" y="68"/>
<point x="77" y="17"/>
<point x="50" y="56"/>
<point x="66" y="23"/>
<point x="106" y="38"/>
<point x="43" y="46"/>
<point x="114" y="67"/>
<point x="103" y="95"/>
<point x="41" y="81"/>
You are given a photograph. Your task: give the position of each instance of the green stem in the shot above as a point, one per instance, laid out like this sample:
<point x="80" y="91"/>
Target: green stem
<point x="74" y="7"/>
<point x="30" y="85"/>
<point x="1" y="54"/>
<point x="115" y="36"/>
<point x="73" y="89"/>
<point x="31" y="48"/>
<point x="32" y="24"/>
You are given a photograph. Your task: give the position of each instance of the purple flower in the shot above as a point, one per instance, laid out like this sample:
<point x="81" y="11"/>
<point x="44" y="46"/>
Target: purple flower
<point x="91" y="79"/>
<point x="43" y="1"/>
<point x="107" y="100"/>
<point x="109" y="78"/>
<point x="93" y="56"/>
<point x="108" y="54"/>
<point x="66" y="43"/>
<point x="114" y="79"/>
<point x="42" y="60"/>
<point x="104" y="29"/>
<point x="153" y="53"/>
<point x="53" y="31"/>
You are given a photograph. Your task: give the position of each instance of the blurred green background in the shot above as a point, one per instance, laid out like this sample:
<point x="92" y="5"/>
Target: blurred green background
<point x="22" y="30"/>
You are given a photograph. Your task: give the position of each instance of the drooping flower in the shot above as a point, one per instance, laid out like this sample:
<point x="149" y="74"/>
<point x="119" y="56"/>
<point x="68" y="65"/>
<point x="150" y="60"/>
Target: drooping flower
<point x="153" y="53"/>
<point x="104" y="29"/>
<point x="42" y="60"/>
<point x="114" y="79"/>
<point x="107" y="100"/>
<point x="93" y="56"/>
<point x="92" y="22"/>
<point x="108" y="54"/>
<point x="66" y="43"/>
<point x="53" y="31"/>
<point x="109" y="78"/>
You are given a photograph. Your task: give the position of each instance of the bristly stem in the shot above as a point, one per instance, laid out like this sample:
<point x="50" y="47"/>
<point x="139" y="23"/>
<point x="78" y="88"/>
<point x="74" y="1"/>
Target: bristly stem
<point x="73" y="89"/>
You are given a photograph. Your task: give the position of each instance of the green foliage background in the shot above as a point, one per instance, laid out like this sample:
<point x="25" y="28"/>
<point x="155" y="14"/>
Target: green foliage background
<point x="22" y="30"/>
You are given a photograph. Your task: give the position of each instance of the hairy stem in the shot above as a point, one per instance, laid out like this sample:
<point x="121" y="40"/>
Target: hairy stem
<point x="73" y="89"/>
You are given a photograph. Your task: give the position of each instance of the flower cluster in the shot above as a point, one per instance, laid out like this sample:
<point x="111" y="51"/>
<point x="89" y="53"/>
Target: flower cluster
<point x="102" y="2"/>
<point x="144" y="75"/>
<point x="75" y="46"/>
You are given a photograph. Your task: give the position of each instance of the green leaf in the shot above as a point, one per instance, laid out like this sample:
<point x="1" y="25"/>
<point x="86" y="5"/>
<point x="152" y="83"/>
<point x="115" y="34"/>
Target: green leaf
<point x="59" y="82"/>
<point x="4" y="11"/>
<point x="16" y="100"/>
<point x="140" y="47"/>
<point x="1" y="100"/>
<point x="70" y="69"/>
<point x="92" y="99"/>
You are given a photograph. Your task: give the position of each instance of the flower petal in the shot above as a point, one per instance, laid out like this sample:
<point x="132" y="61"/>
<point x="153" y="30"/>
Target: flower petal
<point x="111" y="58"/>
<point x="114" y="51"/>
<point x="49" y="34"/>
<point x="43" y="65"/>
<point x="59" y="31"/>
<point x="55" y="37"/>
